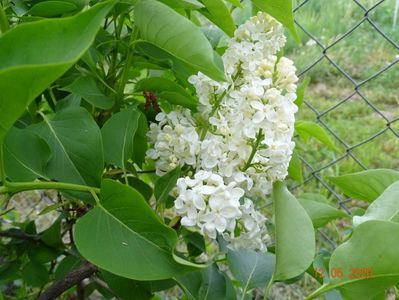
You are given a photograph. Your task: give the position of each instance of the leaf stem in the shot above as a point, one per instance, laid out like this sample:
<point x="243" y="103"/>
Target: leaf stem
<point x="16" y="187"/>
<point x="125" y="72"/>
<point x="217" y="102"/>
<point x="255" y="146"/>
<point x="268" y="287"/>
<point x="4" y="26"/>
<point x="321" y="290"/>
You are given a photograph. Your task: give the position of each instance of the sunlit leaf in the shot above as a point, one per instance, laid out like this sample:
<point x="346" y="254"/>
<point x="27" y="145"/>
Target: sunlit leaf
<point x="294" y="249"/>
<point x="365" y="185"/>
<point x="168" y="30"/>
<point x="35" y="54"/>
<point x="125" y="224"/>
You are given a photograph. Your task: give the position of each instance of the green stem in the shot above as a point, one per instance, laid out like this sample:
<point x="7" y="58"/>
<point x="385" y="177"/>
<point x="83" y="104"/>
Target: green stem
<point x="217" y="104"/>
<point x="4" y="26"/>
<point x="125" y="72"/>
<point x="16" y="187"/>
<point x="255" y="146"/>
<point x="2" y="172"/>
<point x="268" y="287"/>
<point x="321" y="290"/>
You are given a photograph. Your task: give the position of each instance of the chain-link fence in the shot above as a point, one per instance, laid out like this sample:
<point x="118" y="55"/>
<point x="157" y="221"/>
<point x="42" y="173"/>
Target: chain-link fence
<point x="358" y="72"/>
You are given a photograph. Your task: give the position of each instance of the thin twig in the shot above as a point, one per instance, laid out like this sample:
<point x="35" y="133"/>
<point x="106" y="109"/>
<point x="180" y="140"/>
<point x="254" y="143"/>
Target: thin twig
<point x="20" y="235"/>
<point x="85" y="270"/>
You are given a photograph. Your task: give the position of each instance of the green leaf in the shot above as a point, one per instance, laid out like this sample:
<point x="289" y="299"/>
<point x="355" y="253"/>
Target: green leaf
<point x="365" y="185"/>
<point x="243" y="13"/>
<point x="52" y="8"/>
<point x="190" y="284"/>
<point x="68" y="101"/>
<point x="118" y="136"/>
<point x="195" y="243"/>
<point x="35" y="54"/>
<point x="168" y="90"/>
<point x="52" y="236"/>
<point x="52" y="207"/>
<point x="373" y="248"/>
<point x="67" y="264"/>
<point x="308" y="128"/>
<point x="321" y="213"/>
<point x="162" y="26"/>
<point x="281" y="10"/>
<point x="220" y="15"/>
<point x="208" y="284"/>
<point x="320" y="265"/>
<point x="35" y="274"/>
<point x="186" y="4"/>
<point x="75" y="141"/>
<point x="295" y="248"/>
<point x="165" y="59"/>
<point x="42" y="254"/>
<point x="385" y="207"/>
<point x="252" y="269"/>
<point x="235" y="2"/>
<point x="143" y="188"/>
<point x="140" y="141"/>
<point x="87" y="88"/>
<point x="213" y="284"/>
<point x="127" y="288"/>
<point x="165" y="184"/>
<point x="295" y="168"/>
<point x="124" y="224"/>
<point x="10" y="270"/>
<point x="300" y="92"/>
<point x="21" y="163"/>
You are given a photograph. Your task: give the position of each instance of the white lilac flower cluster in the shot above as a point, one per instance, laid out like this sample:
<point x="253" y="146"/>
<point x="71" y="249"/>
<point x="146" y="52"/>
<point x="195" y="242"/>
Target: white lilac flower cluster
<point x="240" y="140"/>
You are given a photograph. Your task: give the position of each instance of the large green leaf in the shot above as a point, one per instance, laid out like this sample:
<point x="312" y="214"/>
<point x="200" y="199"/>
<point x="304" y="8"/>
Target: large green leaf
<point x="33" y="55"/>
<point x="295" y="238"/>
<point x="168" y="90"/>
<point x="305" y="129"/>
<point x="321" y="213"/>
<point x="366" y="185"/>
<point x="176" y="35"/>
<point x="118" y="136"/>
<point x="124" y="236"/>
<point x="281" y="10"/>
<point x="75" y="142"/>
<point x="22" y="163"/>
<point x="252" y="269"/>
<point x="372" y="250"/>
<point x="219" y="14"/>
<point x="385" y="207"/>
<point x="87" y="88"/>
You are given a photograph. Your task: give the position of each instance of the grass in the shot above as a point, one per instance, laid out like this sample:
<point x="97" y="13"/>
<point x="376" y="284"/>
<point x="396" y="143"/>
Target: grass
<point x="361" y="54"/>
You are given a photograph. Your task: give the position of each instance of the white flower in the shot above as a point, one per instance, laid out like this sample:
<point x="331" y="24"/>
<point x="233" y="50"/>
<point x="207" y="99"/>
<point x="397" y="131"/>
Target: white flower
<point x="175" y="139"/>
<point x="240" y="140"/>
<point x="252" y="228"/>
<point x="207" y="204"/>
